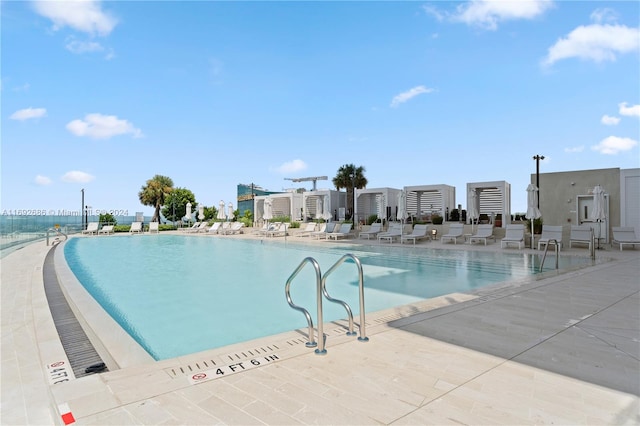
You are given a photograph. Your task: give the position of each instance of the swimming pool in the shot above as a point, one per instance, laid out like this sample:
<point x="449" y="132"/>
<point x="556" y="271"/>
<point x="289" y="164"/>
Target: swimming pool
<point x="177" y="295"/>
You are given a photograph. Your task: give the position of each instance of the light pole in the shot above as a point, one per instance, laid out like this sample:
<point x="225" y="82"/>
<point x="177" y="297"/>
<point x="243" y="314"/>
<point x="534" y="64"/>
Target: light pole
<point x="82" y="209"/>
<point x="353" y="198"/>
<point x="538" y="158"/>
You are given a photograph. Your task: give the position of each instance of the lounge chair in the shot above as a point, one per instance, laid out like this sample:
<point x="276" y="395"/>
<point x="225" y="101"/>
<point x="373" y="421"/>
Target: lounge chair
<point x="281" y="230"/>
<point x="373" y="231"/>
<point x="92" y="228"/>
<point x="136" y="227"/>
<point x="224" y="228"/>
<point x="513" y="235"/>
<point x="190" y="228"/>
<point x="419" y="232"/>
<point x="456" y="230"/>
<point x="235" y="228"/>
<point x="154" y="227"/>
<point x="106" y="229"/>
<point x="581" y="234"/>
<point x="201" y="228"/>
<point x="307" y="230"/>
<point x="395" y="230"/>
<point x="270" y="228"/>
<point x="320" y="232"/>
<point x="343" y="231"/>
<point x="550" y="235"/>
<point x="483" y="233"/>
<point x="215" y="228"/>
<point x="625" y="235"/>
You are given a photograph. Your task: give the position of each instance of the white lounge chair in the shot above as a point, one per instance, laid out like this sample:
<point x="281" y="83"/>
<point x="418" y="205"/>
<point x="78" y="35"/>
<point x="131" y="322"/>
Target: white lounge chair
<point x="215" y="228"/>
<point x="92" y="228"/>
<point x="235" y="228"/>
<point x="320" y="232"/>
<point x="373" y="231"/>
<point x="307" y="230"/>
<point x="550" y="235"/>
<point x="581" y="234"/>
<point x="513" y="235"/>
<point x="190" y="228"/>
<point x="106" y="229"/>
<point x="343" y="231"/>
<point x="625" y="236"/>
<point x="154" y="227"/>
<point x="281" y="230"/>
<point x="394" y="231"/>
<point x="419" y="232"/>
<point x="270" y="228"/>
<point x="136" y="227"/>
<point x="483" y="233"/>
<point x="456" y="230"/>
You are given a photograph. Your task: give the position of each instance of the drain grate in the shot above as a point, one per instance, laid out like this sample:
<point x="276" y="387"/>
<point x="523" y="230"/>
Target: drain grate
<point x="76" y="344"/>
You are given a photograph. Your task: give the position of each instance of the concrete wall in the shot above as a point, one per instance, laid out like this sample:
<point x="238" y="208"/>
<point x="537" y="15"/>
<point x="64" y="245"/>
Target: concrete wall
<point x="559" y="192"/>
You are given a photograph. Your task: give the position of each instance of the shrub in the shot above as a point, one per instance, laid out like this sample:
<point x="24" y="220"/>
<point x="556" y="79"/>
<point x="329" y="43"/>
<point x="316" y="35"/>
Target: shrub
<point x="454" y="216"/>
<point x="371" y="219"/>
<point x="437" y="219"/>
<point x="294" y="225"/>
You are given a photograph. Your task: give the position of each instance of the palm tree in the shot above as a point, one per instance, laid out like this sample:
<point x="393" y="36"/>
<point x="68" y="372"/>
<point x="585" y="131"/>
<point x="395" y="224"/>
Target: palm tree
<point x="349" y="177"/>
<point x="155" y="192"/>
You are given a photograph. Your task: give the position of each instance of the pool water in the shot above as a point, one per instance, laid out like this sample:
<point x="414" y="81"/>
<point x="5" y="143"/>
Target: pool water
<point x="177" y="295"/>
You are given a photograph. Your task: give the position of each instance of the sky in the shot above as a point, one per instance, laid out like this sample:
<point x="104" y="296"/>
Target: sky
<point x="102" y="96"/>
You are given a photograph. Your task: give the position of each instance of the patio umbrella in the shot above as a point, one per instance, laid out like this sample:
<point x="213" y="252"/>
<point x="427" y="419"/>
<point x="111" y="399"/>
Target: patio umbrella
<point x="532" y="206"/>
<point x="319" y="214"/>
<point x="326" y="214"/>
<point x="472" y="208"/>
<point x="230" y="207"/>
<point x="382" y="208"/>
<point x="598" y="213"/>
<point x="268" y="209"/>
<point x="201" y="213"/>
<point x="221" y="214"/>
<point x="187" y="215"/>
<point x="402" y="208"/>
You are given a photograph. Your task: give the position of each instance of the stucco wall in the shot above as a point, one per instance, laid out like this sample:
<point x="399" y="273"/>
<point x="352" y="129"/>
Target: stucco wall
<point x="559" y="191"/>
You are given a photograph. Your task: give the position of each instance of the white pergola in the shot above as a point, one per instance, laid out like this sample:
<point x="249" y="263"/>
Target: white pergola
<point x="284" y="204"/>
<point x="425" y="200"/>
<point x="492" y="198"/>
<point x="337" y="202"/>
<point x="379" y="201"/>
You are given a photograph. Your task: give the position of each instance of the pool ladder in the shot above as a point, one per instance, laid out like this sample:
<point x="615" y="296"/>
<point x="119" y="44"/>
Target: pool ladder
<point x="321" y="290"/>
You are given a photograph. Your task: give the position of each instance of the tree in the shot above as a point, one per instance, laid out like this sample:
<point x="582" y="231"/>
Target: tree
<point x="349" y="177"/>
<point x="155" y="193"/>
<point x="175" y="205"/>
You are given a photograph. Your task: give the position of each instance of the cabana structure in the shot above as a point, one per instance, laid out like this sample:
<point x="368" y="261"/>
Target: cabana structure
<point x="377" y="201"/>
<point x="492" y="198"/>
<point x="423" y="201"/>
<point x="283" y="204"/>
<point x="336" y="203"/>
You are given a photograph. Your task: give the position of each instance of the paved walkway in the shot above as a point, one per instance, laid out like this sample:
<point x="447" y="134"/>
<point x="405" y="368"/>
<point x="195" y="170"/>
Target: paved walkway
<point x="564" y="350"/>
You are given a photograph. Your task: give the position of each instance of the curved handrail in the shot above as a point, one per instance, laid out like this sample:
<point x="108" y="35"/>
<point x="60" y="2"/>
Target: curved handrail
<point x="546" y="248"/>
<point x="363" y="337"/>
<point x="311" y="343"/>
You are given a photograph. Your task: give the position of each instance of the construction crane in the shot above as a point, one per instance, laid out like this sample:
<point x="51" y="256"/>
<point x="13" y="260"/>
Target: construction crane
<point x="313" y="179"/>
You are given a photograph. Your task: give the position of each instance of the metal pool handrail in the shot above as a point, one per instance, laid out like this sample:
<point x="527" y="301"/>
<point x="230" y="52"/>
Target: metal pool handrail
<point x="311" y="343"/>
<point x="546" y="248"/>
<point x="363" y="334"/>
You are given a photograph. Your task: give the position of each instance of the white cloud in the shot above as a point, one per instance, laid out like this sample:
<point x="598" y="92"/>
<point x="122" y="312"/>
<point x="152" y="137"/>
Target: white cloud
<point x="609" y="121"/>
<point x="488" y="14"/>
<point x="603" y="15"/>
<point x="79" y="47"/>
<point x="76" y="176"/>
<point x="86" y="16"/>
<point x="291" y="166"/>
<point x="595" y="42"/>
<point x="574" y="149"/>
<point x="42" y="180"/>
<point x="411" y="93"/>
<point x="631" y="111"/>
<point x="28" y="113"/>
<point x="614" y="144"/>
<point x="98" y="126"/>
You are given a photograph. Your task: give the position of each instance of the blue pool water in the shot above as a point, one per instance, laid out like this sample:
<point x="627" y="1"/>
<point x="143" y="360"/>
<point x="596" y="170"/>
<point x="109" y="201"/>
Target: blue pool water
<point x="177" y="295"/>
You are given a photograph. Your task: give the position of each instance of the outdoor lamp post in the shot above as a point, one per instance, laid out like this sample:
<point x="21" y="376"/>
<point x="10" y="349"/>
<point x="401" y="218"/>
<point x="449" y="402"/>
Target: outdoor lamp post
<point x="538" y="158"/>
<point x="353" y="198"/>
<point x="81" y="209"/>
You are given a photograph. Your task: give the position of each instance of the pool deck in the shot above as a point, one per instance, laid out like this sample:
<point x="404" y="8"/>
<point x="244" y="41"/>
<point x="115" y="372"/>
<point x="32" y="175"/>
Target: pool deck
<point x="560" y="349"/>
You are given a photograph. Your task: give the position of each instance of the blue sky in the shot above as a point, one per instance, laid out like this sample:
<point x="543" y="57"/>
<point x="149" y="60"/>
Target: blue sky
<point x="105" y="95"/>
